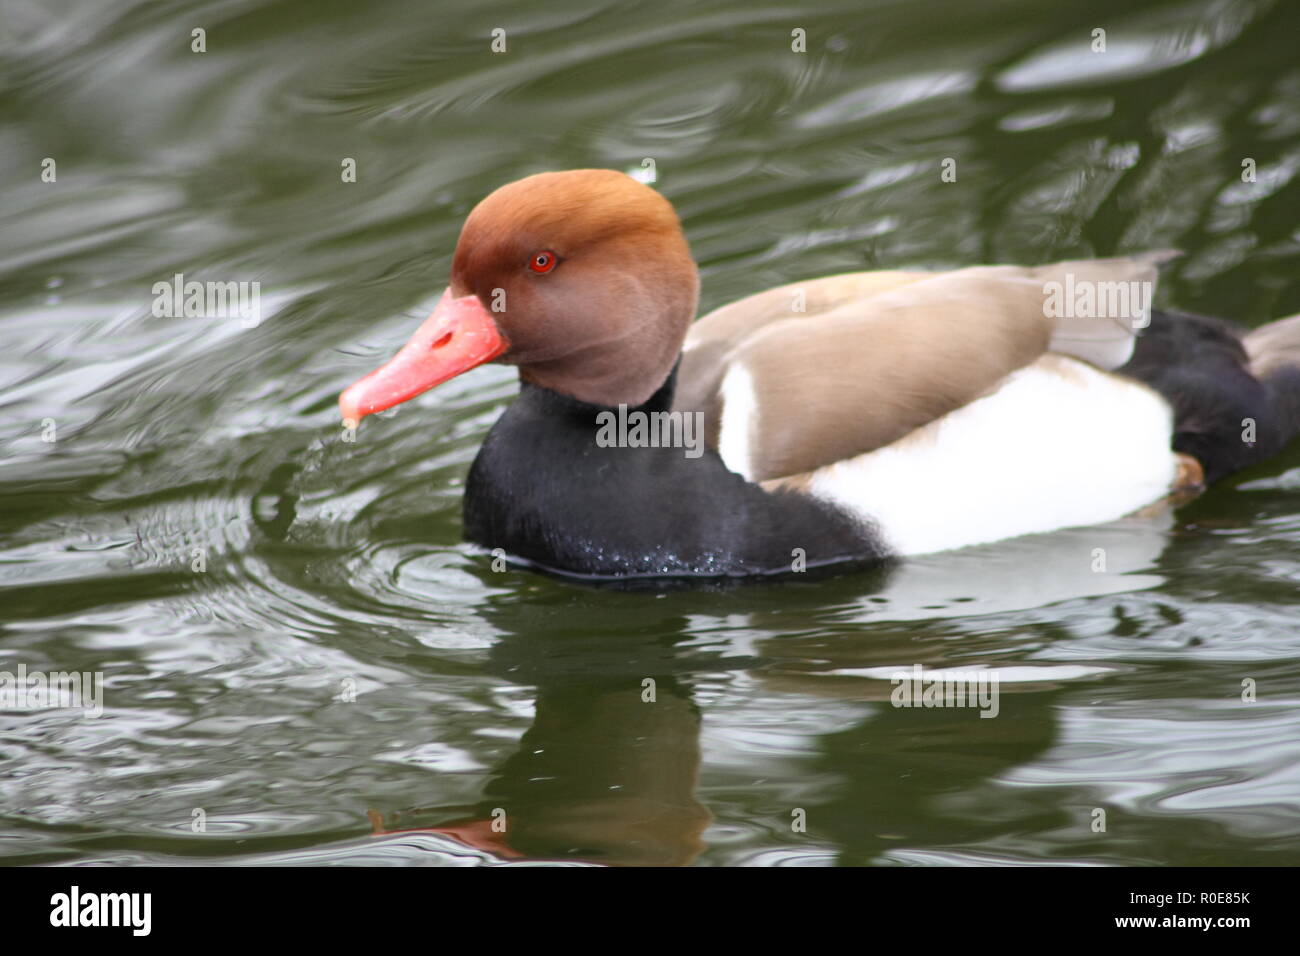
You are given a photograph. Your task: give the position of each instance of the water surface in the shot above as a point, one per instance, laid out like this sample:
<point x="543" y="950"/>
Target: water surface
<point x="333" y="569"/>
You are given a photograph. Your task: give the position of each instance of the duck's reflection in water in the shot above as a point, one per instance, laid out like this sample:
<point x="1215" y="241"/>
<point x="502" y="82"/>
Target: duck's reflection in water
<point x="608" y="771"/>
<point x="603" y="775"/>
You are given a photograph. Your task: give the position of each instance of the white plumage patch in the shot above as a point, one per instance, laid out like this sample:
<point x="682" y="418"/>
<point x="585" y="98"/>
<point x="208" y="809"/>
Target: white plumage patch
<point x="739" y="420"/>
<point x="1060" y="444"/>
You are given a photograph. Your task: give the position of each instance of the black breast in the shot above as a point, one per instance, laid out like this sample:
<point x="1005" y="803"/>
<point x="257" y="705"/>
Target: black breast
<point x="544" y="490"/>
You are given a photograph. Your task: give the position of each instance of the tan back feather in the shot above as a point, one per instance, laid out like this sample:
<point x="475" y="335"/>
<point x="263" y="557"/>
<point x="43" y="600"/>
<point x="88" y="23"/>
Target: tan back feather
<point x="877" y="355"/>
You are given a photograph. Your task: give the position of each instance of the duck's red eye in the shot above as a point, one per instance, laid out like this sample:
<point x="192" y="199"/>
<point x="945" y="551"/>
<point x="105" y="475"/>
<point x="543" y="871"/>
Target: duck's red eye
<point x="542" y="262"/>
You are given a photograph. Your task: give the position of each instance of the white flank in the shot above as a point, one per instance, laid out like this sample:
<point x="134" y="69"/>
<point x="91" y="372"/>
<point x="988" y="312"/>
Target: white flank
<point x="1060" y="444"/>
<point x="738" y="420"/>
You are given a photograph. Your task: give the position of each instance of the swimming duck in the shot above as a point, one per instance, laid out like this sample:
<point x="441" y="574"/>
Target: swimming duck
<point x="844" y="420"/>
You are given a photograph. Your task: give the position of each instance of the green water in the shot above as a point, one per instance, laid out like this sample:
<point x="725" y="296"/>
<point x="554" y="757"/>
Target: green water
<point x="328" y="570"/>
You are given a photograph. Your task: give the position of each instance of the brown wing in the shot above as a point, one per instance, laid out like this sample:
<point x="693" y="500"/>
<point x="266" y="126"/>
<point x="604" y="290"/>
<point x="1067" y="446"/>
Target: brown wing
<point x="877" y="355"/>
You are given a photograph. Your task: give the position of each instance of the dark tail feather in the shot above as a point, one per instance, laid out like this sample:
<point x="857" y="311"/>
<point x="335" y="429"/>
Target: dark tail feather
<point x="1274" y="352"/>
<point x="1236" y="401"/>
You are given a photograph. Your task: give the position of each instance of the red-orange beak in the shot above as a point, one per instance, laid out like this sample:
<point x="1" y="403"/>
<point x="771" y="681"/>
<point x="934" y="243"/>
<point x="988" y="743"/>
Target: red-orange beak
<point x="459" y="335"/>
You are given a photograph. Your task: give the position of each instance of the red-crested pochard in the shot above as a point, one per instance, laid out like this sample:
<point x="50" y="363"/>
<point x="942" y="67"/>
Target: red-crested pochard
<point x="847" y="419"/>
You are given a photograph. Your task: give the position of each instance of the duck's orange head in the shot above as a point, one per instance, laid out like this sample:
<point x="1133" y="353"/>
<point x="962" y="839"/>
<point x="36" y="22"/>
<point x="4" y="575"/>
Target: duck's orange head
<point x="582" y="279"/>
